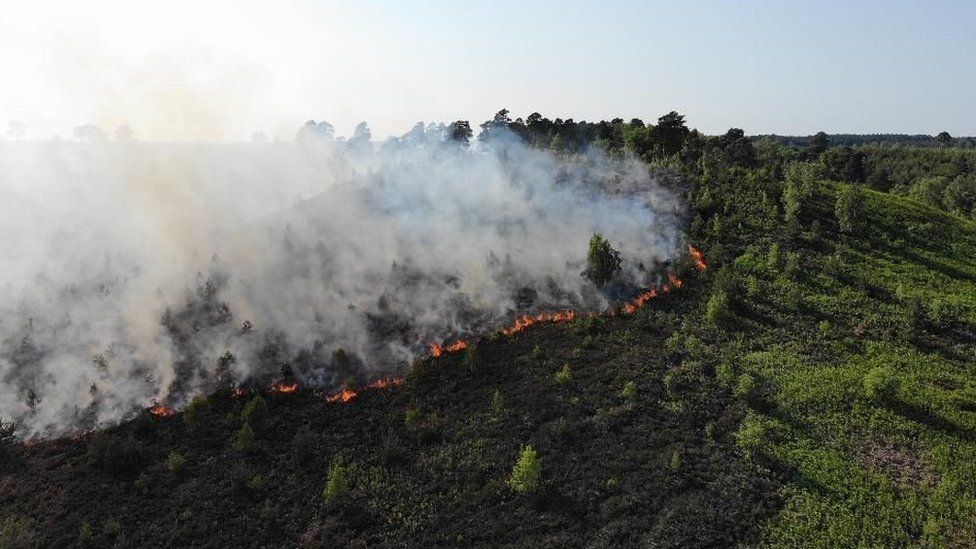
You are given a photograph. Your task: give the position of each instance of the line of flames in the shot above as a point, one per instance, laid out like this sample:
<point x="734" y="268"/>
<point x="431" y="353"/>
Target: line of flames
<point x="436" y="349"/>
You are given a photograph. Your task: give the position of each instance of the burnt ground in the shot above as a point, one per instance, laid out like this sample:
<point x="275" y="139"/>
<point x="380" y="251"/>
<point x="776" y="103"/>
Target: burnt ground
<point x="427" y="462"/>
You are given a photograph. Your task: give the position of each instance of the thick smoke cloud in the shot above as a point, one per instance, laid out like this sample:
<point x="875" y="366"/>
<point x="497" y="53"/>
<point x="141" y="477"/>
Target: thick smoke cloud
<point x="131" y="270"/>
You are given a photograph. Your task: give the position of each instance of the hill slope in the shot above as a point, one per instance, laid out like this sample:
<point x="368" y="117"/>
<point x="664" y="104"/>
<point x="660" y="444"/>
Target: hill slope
<point x="813" y="388"/>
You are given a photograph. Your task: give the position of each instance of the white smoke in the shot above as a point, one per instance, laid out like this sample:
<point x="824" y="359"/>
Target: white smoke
<point x="130" y="268"/>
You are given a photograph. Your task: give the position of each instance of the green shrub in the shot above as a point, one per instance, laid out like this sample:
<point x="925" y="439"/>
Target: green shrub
<point x="725" y="374"/>
<point x="16" y="532"/>
<point x="470" y="359"/>
<point x="142" y="484"/>
<point x="565" y="375"/>
<point x="255" y="413"/>
<point x="256" y="482"/>
<point x="717" y="311"/>
<point x="497" y="402"/>
<point x="629" y="390"/>
<point x="111" y="528"/>
<point x="537" y="354"/>
<point x="194" y="409"/>
<point x="527" y="471"/>
<point x="880" y="384"/>
<point x="86" y="535"/>
<point x="675" y="463"/>
<point x="175" y="462"/>
<point x="413" y="417"/>
<point x="751" y="436"/>
<point x="602" y="261"/>
<point x="245" y="439"/>
<point x="848" y="208"/>
<point x="745" y="387"/>
<point x="337" y="485"/>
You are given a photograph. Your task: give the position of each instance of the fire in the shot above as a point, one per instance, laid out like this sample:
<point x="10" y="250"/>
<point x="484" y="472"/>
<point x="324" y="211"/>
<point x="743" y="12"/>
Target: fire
<point x="386" y="382"/>
<point x="698" y="258"/>
<point x="524" y="322"/>
<point x="161" y="411"/>
<point x="239" y="392"/>
<point x="437" y="350"/>
<point x="284" y="388"/>
<point x="342" y="396"/>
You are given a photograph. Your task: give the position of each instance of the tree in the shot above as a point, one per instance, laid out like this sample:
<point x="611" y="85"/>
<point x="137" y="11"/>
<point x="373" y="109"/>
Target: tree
<point x="818" y="144"/>
<point x="90" y="133"/>
<point x="527" y="472"/>
<point x="671" y="132"/>
<point x="944" y="139"/>
<point x="848" y="208"/>
<point x="254" y="413"/>
<point x="245" y="439"/>
<point x="603" y="262"/>
<point x="460" y="132"/>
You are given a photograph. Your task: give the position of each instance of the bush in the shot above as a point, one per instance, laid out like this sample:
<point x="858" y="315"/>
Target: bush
<point x="848" y="208"/>
<point x="675" y="463"/>
<point x="751" y="436"/>
<point x="717" y="311"/>
<point x="86" y="535"/>
<point x="603" y="262"/>
<point x="255" y="413"/>
<point x="175" y="462"/>
<point x="497" y="402"/>
<point x="142" y="484"/>
<point x="16" y="533"/>
<point x="725" y="374"/>
<point x="565" y="375"/>
<point x="194" y="409"/>
<point x="629" y="390"/>
<point x="245" y="439"/>
<point x="745" y="387"/>
<point x="527" y="472"/>
<point x="880" y="384"/>
<point x="337" y="485"/>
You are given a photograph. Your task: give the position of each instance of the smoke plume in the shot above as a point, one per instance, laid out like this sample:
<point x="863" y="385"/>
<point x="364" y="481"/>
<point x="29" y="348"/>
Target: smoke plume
<point x="145" y="272"/>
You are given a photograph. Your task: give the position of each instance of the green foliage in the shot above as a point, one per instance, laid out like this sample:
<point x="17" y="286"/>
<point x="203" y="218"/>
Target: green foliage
<point x="142" y="484"/>
<point x="725" y="374"/>
<point x="16" y="532"/>
<point x="717" y="311"/>
<point x="752" y="435"/>
<point x="245" y="441"/>
<point x="86" y="535"/>
<point x="603" y="262"/>
<point x="629" y="390"/>
<point x="175" y="462"/>
<point x="881" y="384"/>
<point x="848" y="208"/>
<point x="527" y="472"/>
<point x="195" y="408"/>
<point x="413" y="417"/>
<point x="675" y="463"/>
<point x="745" y="387"/>
<point x="337" y="485"/>
<point x="564" y="375"/>
<point x="497" y="402"/>
<point x="255" y="413"/>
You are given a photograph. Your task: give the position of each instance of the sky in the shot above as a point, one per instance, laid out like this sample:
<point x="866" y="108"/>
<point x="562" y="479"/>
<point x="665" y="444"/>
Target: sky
<point x="194" y="70"/>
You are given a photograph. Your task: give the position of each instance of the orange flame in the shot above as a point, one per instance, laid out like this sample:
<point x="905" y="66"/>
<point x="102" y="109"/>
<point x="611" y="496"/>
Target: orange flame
<point x="698" y="258"/>
<point x="524" y="322"/>
<point x="239" y="392"/>
<point x="161" y="411"/>
<point x="342" y="396"/>
<point x="284" y="388"/>
<point x="387" y="382"/>
<point x="437" y="350"/>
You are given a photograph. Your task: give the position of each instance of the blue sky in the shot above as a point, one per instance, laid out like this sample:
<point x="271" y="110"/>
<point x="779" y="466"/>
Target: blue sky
<point x="220" y="69"/>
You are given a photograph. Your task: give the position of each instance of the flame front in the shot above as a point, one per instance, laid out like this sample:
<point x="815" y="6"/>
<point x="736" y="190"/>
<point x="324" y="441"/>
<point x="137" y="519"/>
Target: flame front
<point x="437" y="350"/>
<point x="284" y="388"/>
<point x="698" y="258"/>
<point x="161" y="411"/>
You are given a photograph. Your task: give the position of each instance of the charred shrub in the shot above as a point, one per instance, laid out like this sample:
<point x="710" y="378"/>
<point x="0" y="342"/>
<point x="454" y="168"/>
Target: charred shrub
<point x="303" y="447"/>
<point x="255" y="413"/>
